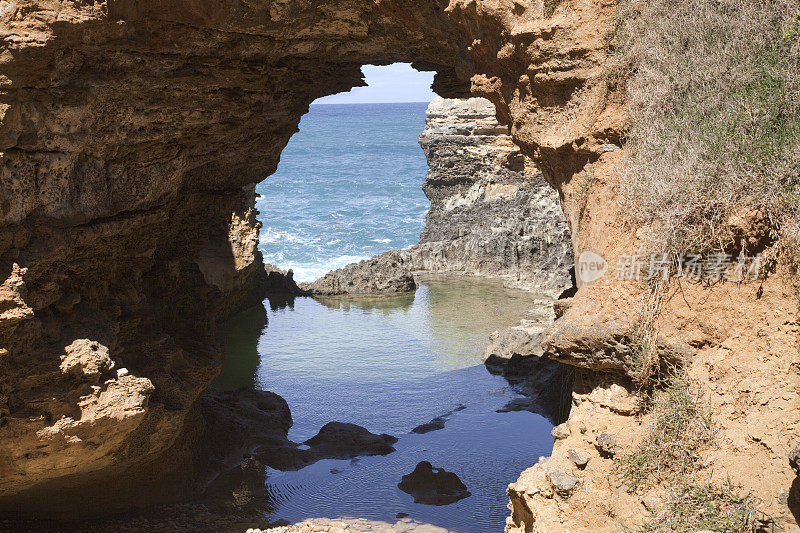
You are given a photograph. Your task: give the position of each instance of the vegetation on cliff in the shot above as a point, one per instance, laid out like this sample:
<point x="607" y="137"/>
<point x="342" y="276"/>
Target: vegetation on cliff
<point x="714" y="98"/>
<point x="680" y="429"/>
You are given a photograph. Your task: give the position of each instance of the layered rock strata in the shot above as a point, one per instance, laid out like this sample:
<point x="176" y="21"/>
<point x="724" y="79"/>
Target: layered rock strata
<point x="492" y="213"/>
<point x="131" y="132"/>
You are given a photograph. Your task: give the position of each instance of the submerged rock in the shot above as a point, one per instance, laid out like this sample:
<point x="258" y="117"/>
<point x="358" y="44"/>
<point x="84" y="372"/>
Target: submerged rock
<point x="438" y="422"/>
<point x="435" y="424"/>
<point x="543" y="383"/>
<point x="433" y="486"/>
<point x="339" y="440"/>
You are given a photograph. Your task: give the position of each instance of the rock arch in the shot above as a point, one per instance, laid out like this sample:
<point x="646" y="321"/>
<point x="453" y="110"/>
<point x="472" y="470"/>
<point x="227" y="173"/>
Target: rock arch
<point x="132" y="133"/>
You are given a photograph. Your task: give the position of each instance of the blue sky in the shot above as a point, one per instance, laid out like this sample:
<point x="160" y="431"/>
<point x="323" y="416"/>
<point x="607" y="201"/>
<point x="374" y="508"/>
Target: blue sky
<point x="393" y="83"/>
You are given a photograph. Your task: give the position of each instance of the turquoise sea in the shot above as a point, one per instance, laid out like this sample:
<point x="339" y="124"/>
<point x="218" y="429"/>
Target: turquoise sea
<point x="347" y="188"/>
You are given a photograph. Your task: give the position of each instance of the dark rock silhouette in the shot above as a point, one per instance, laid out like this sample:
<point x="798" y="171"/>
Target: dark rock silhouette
<point x="339" y="440"/>
<point x="433" y="486"/>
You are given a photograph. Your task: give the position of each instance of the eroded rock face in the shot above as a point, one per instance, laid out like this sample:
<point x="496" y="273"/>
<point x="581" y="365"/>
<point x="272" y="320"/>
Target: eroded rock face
<point x="131" y="134"/>
<point x="492" y="213"/>
<point x="388" y="273"/>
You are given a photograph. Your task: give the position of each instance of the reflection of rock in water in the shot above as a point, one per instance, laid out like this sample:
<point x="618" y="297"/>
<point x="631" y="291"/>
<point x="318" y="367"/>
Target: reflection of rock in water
<point x="545" y="384"/>
<point x="458" y="331"/>
<point x="385" y="304"/>
<point x="242" y="333"/>
<point x="281" y="289"/>
<point x="246" y="430"/>
<point x="492" y="213"/>
<point x="433" y="486"/>
<point x="383" y="274"/>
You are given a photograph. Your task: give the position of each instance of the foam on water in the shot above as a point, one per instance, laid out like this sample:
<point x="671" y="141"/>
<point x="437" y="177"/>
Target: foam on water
<point x="348" y="187"/>
<point x="317" y="269"/>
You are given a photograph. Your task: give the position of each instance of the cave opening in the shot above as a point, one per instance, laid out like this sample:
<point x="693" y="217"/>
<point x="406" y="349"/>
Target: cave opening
<point x="352" y="184"/>
<point x="348" y="183"/>
<point x="133" y="138"/>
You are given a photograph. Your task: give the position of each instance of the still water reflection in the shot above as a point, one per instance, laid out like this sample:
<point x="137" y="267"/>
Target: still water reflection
<point x="390" y="364"/>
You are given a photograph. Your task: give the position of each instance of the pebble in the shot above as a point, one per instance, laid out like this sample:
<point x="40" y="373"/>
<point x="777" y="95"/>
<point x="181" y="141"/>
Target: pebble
<point x="606" y="444"/>
<point x="563" y="483"/>
<point x="561" y="431"/>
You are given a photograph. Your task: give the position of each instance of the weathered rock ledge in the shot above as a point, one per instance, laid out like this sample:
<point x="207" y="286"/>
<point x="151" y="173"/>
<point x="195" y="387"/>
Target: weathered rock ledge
<point x="492" y="213"/>
<point x="131" y="133"/>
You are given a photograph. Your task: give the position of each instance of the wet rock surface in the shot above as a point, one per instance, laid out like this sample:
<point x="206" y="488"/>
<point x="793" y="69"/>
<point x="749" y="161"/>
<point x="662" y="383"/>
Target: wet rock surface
<point x="433" y="486"/>
<point x="340" y="440"/>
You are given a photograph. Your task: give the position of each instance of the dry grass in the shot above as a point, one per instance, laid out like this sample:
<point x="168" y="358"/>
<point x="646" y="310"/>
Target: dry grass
<point x="678" y="431"/>
<point x="714" y="93"/>
<point x="668" y="456"/>
<point x="702" y="507"/>
<point x="643" y="340"/>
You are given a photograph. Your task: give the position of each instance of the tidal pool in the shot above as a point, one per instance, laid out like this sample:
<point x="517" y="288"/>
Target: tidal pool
<point x="390" y="364"/>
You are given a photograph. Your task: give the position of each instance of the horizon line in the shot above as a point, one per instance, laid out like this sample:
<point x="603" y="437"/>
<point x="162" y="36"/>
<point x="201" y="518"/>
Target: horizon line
<point x="366" y="103"/>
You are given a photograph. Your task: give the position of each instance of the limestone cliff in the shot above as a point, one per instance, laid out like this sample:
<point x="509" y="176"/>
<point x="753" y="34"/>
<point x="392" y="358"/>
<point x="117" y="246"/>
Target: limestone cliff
<point x="492" y="213"/>
<point x="131" y="133"/>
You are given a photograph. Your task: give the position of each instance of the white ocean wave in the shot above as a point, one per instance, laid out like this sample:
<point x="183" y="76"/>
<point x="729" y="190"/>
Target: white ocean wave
<point x="304" y="272"/>
<point x="271" y="236"/>
<point x="382" y="241"/>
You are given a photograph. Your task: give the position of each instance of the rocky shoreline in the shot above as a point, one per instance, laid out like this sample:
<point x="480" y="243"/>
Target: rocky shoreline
<point x="131" y="134"/>
<point x="492" y="213"/>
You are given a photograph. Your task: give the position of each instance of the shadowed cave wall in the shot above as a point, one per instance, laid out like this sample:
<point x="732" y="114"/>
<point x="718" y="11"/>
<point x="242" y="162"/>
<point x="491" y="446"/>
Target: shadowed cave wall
<point x="132" y="133"/>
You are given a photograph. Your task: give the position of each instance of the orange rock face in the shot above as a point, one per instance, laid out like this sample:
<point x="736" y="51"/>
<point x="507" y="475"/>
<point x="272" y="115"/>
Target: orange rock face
<point x="131" y="134"/>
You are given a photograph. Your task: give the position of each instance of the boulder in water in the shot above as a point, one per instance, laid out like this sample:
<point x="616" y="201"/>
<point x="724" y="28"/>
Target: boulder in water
<point x="339" y="440"/>
<point x="433" y="486"/>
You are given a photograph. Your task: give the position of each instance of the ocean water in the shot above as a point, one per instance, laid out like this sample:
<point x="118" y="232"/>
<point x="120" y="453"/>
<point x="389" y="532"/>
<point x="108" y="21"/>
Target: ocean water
<point x="347" y="188"/>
